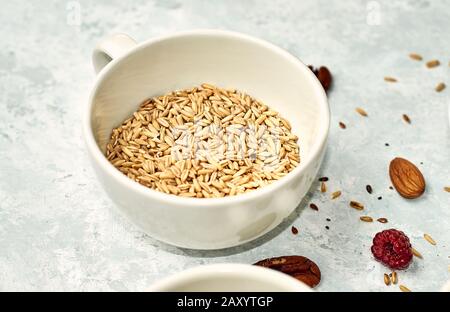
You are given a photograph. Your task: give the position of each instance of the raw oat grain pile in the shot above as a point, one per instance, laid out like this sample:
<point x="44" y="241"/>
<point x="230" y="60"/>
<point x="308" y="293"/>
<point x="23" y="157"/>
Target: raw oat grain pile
<point x="204" y="142"/>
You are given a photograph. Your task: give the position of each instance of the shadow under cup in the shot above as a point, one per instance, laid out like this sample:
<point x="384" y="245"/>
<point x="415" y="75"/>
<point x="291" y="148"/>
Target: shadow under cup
<point x="227" y="60"/>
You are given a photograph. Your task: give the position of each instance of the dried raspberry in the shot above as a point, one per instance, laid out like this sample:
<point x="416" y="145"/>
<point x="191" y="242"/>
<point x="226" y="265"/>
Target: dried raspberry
<point x="392" y="248"/>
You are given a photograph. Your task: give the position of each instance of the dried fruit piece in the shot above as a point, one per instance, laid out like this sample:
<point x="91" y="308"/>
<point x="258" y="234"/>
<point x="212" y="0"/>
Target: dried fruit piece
<point x="416" y="253"/>
<point x="447" y="189"/>
<point x="366" y="219"/>
<point x="313" y="207"/>
<point x="342" y="125"/>
<point x="406" y="178"/>
<point x="361" y="111"/>
<point x="336" y="194"/>
<point x="440" y="87"/>
<point x="324" y="76"/>
<point x="406" y="118"/>
<point x="429" y="239"/>
<point x="294" y="230"/>
<point x="392" y="248"/>
<point x="404" y="288"/>
<point x="298" y="267"/>
<point x="415" y="56"/>
<point x="382" y="220"/>
<point x="369" y="189"/>
<point x="390" y="79"/>
<point x="433" y="63"/>
<point x="356" y="205"/>
<point x="323" y="179"/>
<point x="387" y="280"/>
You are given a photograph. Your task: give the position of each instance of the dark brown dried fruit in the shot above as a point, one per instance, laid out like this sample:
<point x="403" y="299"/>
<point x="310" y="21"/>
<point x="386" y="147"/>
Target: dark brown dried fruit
<point x="406" y="178"/>
<point x="298" y="267"/>
<point x="313" y="207"/>
<point x="324" y="76"/>
<point x="342" y="125"/>
<point x="294" y="230"/>
<point x="369" y="189"/>
<point x="406" y="118"/>
<point x="323" y="179"/>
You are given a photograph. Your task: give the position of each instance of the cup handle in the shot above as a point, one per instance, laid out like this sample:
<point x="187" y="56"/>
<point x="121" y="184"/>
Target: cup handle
<point x="110" y="48"/>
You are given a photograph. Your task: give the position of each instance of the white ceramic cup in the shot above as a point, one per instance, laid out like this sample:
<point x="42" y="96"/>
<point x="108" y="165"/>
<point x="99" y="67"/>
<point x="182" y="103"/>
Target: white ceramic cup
<point x="229" y="278"/>
<point x="129" y="73"/>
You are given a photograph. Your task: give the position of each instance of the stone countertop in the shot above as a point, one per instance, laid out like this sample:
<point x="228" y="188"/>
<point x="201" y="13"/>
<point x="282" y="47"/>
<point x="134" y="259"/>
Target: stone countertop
<point x="58" y="229"/>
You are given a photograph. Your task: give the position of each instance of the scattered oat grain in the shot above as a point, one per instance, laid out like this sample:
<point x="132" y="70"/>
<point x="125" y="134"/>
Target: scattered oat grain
<point x="433" y="63"/>
<point x="440" y="87"/>
<point x="394" y="277"/>
<point x="356" y="205"/>
<point x="336" y="194"/>
<point x="415" y="56"/>
<point x="447" y="189"/>
<point x="404" y="288"/>
<point x="429" y="239"/>
<point x="361" y="111"/>
<point x="416" y="253"/>
<point x="323" y="187"/>
<point x="387" y="280"/>
<point x="390" y="79"/>
<point x="382" y="220"/>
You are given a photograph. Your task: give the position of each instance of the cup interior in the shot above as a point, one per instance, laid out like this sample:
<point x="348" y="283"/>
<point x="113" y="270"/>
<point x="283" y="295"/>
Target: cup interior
<point x="227" y="60"/>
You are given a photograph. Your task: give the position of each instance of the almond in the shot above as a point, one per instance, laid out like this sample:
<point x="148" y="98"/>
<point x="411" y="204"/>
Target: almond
<point x="406" y="178"/>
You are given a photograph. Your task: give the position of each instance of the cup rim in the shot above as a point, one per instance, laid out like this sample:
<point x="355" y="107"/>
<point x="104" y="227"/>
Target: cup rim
<point x="244" y="271"/>
<point x="126" y="182"/>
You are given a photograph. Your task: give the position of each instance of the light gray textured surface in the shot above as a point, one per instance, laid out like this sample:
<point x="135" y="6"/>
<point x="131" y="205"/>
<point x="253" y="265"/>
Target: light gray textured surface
<point x="59" y="231"/>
